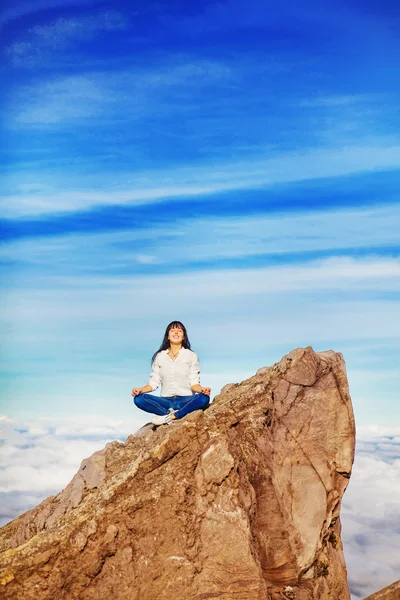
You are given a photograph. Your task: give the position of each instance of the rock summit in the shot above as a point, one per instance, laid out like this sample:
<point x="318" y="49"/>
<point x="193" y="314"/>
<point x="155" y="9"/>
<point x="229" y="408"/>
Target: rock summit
<point x="239" y="502"/>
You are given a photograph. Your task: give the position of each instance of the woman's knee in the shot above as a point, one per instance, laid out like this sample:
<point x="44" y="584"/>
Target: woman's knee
<point x="138" y="400"/>
<point x="205" y="400"/>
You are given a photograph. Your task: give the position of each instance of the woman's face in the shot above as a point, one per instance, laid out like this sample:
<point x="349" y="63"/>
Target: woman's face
<point x="176" y="335"/>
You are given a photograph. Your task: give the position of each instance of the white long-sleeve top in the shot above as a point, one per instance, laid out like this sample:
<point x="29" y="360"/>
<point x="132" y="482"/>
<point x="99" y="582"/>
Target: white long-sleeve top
<point x="175" y="376"/>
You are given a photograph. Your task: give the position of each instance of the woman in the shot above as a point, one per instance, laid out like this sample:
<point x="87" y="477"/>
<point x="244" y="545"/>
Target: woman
<point x="176" y="368"/>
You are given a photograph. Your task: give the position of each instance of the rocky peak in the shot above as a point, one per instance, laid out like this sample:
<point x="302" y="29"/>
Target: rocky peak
<point x="391" y="592"/>
<point x="241" y="501"/>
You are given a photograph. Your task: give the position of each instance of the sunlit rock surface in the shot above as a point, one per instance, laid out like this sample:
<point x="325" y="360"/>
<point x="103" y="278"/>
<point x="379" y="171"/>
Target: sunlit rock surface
<point x="391" y="592"/>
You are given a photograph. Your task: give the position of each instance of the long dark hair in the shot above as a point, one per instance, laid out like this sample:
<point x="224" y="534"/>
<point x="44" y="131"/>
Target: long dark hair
<point x="165" y="343"/>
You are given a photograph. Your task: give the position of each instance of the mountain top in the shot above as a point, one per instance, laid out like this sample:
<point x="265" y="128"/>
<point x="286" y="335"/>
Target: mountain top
<point x="239" y="501"/>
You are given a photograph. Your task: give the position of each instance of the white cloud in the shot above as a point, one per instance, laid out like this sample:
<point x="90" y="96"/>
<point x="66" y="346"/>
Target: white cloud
<point x="338" y="100"/>
<point x="69" y="98"/>
<point x="41" y="456"/>
<point x="133" y="93"/>
<point x="342" y="274"/>
<point x="146" y="259"/>
<point x="205" y="238"/>
<point x="84" y="26"/>
<point x="29" y="7"/>
<point x="369" y="433"/>
<point x="352" y="106"/>
<point x="371" y="514"/>
<point x="60" y="34"/>
<point x="184" y="182"/>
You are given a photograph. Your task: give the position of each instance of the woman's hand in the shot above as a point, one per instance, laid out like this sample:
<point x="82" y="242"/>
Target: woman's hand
<point x="199" y="389"/>
<point x="142" y="390"/>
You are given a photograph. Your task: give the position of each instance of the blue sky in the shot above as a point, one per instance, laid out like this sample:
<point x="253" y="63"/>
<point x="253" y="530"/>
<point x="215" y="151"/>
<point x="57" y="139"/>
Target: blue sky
<point x="234" y="165"/>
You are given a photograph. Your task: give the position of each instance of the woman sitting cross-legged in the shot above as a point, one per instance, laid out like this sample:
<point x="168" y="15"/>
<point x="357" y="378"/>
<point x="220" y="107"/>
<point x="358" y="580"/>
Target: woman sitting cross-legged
<point x="176" y="368"/>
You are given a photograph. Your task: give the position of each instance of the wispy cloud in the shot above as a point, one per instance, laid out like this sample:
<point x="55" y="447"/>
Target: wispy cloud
<point x="370" y="515"/>
<point x="133" y="93"/>
<point x="61" y="34"/>
<point x="185" y="183"/>
<point x="65" y="29"/>
<point x="341" y="100"/>
<point x="30" y="7"/>
<point x="337" y="273"/>
<point x="212" y="242"/>
<point x="68" y="99"/>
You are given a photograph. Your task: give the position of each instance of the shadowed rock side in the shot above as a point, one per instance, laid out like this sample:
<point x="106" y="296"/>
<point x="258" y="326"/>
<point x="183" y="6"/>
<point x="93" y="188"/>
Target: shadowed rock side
<point x="391" y="592"/>
<point x="239" y="502"/>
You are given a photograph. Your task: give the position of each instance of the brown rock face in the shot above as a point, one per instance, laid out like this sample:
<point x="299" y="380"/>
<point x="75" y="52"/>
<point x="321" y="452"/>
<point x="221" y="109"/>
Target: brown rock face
<point x="239" y="502"/>
<point x="391" y="592"/>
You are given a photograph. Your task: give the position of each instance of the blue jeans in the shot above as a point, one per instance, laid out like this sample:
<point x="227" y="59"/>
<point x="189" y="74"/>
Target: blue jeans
<point x="183" y="405"/>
